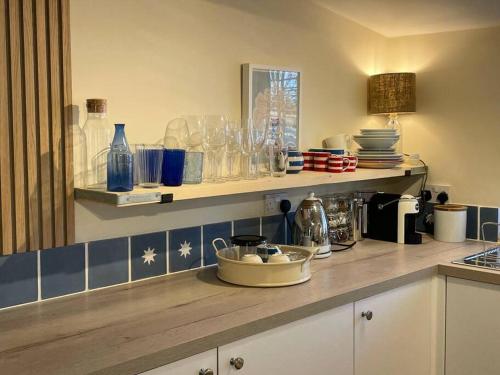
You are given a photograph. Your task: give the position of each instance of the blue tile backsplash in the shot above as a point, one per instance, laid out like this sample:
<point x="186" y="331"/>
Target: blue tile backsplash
<point x="273" y="228"/>
<point x="62" y="270"/>
<point x="472" y="216"/>
<point x="18" y="279"/>
<point x="247" y="226"/>
<point x="184" y="249"/>
<point x="110" y="262"/>
<point x="211" y="232"/>
<point x="148" y="256"/>
<point x="489" y="214"/>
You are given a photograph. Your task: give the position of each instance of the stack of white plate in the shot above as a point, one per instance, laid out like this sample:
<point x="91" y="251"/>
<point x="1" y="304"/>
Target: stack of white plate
<point x="377" y="148"/>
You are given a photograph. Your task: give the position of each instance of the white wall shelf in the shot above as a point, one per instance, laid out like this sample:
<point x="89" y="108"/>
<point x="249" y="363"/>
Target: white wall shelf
<point x="166" y="194"/>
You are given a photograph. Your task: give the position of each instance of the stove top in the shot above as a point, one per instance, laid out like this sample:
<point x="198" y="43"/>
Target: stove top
<point x="489" y="259"/>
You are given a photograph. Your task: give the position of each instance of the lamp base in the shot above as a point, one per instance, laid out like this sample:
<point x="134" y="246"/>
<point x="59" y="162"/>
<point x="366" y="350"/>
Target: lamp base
<point x="393" y="123"/>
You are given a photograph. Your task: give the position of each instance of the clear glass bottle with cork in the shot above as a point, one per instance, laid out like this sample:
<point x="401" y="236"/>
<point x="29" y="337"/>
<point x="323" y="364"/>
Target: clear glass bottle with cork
<point x="99" y="134"/>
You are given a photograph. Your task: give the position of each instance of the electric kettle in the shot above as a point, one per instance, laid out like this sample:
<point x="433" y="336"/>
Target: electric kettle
<point x="310" y="227"/>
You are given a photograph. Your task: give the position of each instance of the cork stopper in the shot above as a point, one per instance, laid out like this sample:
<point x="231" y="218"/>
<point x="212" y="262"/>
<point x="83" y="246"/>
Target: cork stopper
<point x="96" y="105"/>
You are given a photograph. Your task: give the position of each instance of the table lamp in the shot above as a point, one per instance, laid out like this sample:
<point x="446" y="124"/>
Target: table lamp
<point x="392" y="94"/>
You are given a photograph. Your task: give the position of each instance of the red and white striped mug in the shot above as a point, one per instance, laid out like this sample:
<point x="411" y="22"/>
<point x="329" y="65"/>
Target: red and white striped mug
<point x="308" y="160"/>
<point x="321" y="161"/>
<point x="353" y="163"/>
<point x="338" y="163"/>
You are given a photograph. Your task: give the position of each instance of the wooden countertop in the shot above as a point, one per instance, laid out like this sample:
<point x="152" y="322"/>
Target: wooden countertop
<point x="132" y="328"/>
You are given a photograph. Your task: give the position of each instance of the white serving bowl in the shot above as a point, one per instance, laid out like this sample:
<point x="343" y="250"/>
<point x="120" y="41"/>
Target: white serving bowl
<point x="381" y="130"/>
<point x="376" y="142"/>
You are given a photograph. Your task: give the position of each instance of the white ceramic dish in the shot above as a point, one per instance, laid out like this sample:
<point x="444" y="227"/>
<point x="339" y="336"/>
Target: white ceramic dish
<point x="377" y="165"/>
<point x="391" y="150"/>
<point x="380" y="155"/>
<point x="377" y="136"/>
<point x="379" y="130"/>
<point x="383" y="157"/>
<point x="381" y="135"/>
<point x="265" y="275"/>
<point x="378" y="143"/>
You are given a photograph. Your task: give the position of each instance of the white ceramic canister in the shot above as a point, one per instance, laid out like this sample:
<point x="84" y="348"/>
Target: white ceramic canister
<point x="450" y="222"/>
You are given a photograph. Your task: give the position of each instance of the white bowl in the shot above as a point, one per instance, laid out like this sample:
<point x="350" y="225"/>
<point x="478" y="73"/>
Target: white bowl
<point x="381" y="130"/>
<point x="251" y="258"/>
<point x="377" y="135"/>
<point x="379" y="143"/>
<point x="278" y="258"/>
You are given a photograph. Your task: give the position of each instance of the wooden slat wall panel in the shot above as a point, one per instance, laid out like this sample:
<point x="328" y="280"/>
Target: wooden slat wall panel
<point x="36" y="172"/>
<point x="43" y="124"/>
<point x="6" y="180"/>
<point x="32" y="155"/>
<point x="17" y="95"/>
<point x="56" y="105"/>
<point x="68" y="119"/>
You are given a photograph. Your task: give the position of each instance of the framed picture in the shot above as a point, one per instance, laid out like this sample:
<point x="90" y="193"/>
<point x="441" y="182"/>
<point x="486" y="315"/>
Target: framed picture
<point x="273" y="92"/>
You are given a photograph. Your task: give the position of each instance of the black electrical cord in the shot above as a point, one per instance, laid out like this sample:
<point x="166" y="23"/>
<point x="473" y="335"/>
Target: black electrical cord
<point x="343" y="246"/>
<point x="288" y="222"/>
<point x="424" y="180"/>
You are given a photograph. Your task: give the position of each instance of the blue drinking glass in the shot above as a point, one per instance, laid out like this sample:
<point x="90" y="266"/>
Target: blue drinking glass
<point x="148" y="162"/>
<point x="173" y="167"/>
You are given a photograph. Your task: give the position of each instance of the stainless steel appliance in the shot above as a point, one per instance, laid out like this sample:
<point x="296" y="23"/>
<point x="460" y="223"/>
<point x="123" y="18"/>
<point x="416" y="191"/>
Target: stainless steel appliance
<point x="489" y="259"/>
<point x="339" y="209"/>
<point x="360" y="214"/>
<point x="310" y="227"/>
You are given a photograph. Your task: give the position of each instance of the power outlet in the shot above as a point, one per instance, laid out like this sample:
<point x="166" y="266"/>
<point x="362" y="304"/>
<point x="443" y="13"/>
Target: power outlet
<point x="436" y="189"/>
<point x="272" y="203"/>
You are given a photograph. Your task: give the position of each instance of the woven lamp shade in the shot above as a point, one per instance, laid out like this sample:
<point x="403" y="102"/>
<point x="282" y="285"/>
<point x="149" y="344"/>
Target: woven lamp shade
<point x="392" y="93"/>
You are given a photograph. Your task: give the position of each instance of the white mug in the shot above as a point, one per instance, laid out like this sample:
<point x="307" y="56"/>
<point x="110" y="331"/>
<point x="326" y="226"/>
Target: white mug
<point x="339" y="141"/>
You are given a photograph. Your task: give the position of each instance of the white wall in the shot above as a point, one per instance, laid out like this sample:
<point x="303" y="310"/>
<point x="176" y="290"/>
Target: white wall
<point x="99" y="221"/>
<point x="158" y="59"/>
<point x="456" y="128"/>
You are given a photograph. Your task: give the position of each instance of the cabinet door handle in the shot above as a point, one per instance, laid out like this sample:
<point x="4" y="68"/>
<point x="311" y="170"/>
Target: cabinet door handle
<point x="206" y="371"/>
<point x="367" y="314"/>
<point x="237" y="363"/>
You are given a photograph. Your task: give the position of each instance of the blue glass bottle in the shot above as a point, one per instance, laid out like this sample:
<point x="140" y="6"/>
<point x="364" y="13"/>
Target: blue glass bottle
<point x="120" y="162"/>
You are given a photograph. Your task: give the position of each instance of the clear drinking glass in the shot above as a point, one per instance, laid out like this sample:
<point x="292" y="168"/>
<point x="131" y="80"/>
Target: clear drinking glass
<point x="253" y="139"/>
<point x="176" y="134"/>
<point x="148" y="163"/>
<point x="214" y="139"/>
<point x="233" y="150"/>
<point x="195" y="130"/>
<point x="193" y="167"/>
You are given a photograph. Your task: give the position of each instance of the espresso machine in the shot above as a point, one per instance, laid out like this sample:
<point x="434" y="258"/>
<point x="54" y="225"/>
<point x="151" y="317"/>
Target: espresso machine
<point x="392" y="217"/>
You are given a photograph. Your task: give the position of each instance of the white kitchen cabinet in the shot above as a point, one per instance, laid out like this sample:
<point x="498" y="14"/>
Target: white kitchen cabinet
<point x="317" y="345"/>
<point x="396" y="334"/>
<point x="472" y="329"/>
<point x="189" y="366"/>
